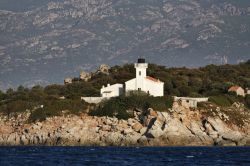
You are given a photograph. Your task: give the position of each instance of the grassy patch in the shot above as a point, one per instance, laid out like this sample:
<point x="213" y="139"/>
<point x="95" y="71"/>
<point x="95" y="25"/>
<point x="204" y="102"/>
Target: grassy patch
<point x="224" y="100"/>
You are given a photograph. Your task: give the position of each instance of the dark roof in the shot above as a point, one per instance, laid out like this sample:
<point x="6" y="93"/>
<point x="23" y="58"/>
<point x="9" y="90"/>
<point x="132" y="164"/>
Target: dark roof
<point x="141" y="60"/>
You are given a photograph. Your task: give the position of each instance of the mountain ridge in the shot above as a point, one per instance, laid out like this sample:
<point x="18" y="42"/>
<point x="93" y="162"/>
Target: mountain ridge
<point x="50" y="40"/>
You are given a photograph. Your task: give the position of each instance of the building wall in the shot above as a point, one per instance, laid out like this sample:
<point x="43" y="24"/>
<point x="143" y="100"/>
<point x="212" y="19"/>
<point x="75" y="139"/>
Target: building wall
<point x="130" y="85"/>
<point x="248" y="92"/>
<point x="141" y="73"/>
<point x="115" y="90"/>
<point x="240" y="92"/>
<point x="154" y="88"/>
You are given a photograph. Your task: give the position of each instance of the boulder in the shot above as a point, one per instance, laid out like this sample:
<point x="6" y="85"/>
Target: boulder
<point x="218" y="125"/>
<point x="128" y="131"/>
<point x="226" y="143"/>
<point x="151" y="112"/>
<point x="232" y="136"/>
<point x="85" y="76"/>
<point x="131" y="122"/>
<point x="197" y="129"/>
<point x="155" y="133"/>
<point x="143" y="130"/>
<point x="113" y="138"/>
<point x="143" y="140"/>
<point x="157" y="129"/>
<point x="11" y="139"/>
<point x="131" y="139"/>
<point x="137" y="127"/>
<point x="104" y="68"/>
<point x="106" y="128"/>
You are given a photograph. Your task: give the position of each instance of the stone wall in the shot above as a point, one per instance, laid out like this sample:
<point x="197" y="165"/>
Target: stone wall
<point x="94" y="100"/>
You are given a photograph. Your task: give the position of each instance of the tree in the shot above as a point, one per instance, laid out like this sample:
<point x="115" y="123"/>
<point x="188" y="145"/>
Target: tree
<point x="248" y="62"/>
<point x="184" y="90"/>
<point x="9" y="91"/>
<point x="2" y="95"/>
<point x="248" y="101"/>
<point x="20" y="88"/>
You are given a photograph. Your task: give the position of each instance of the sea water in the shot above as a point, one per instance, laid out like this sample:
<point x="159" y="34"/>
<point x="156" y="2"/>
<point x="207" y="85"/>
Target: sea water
<point x="124" y="156"/>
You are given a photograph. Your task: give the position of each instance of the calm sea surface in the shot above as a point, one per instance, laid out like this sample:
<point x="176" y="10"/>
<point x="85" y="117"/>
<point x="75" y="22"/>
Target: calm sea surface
<point x="124" y="156"/>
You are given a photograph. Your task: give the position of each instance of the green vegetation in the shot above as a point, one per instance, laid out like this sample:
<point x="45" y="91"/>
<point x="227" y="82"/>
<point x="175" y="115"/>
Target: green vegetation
<point x="122" y="107"/>
<point x="224" y="100"/>
<point x="248" y="101"/>
<point x="211" y="81"/>
<point x="32" y="99"/>
<point x="56" y="107"/>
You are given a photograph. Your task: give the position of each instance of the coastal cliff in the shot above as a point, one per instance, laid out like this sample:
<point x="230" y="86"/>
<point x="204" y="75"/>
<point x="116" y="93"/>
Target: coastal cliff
<point x="179" y="126"/>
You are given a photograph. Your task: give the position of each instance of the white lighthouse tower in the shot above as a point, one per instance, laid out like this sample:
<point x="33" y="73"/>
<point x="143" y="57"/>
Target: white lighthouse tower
<point x="142" y="82"/>
<point x="141" y="73"/>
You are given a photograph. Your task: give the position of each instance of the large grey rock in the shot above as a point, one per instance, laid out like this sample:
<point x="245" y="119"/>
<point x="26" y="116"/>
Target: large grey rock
<point x="155" y="133"/>
<point x="85" y="76"/>
<point x="114" y="138"/>
<point x="232" y="136"/>
<point x="143" y="130"/>
<point x="104" y="68"/>
<point x="197" y="129"/>
<point x="218" y="125"/>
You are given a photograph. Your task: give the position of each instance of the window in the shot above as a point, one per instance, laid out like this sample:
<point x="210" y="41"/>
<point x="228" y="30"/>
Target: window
<point x="139" y="89"/>
<point x="139" y="73"/>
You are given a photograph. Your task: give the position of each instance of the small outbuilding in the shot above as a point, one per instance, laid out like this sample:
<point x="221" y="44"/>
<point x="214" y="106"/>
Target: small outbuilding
<point x="238" y="90"/>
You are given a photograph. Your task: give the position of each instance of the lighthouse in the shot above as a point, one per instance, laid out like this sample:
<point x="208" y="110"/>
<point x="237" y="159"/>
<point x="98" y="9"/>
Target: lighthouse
<point x="141" y="73"/>
<point x="142" y="82"/>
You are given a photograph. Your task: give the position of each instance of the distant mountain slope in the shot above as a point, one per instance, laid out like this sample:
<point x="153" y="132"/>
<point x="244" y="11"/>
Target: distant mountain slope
<point x="45" y="41"/>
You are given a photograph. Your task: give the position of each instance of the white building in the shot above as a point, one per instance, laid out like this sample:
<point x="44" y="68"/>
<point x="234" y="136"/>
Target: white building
<point x="112" y="90"/>
<point x="247" y="91"/>
<point x="238" y="90"/>
<point x="142" y="82"/>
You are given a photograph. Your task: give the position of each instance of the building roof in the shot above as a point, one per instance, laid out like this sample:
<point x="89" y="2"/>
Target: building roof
<point x="153" y="79"/>
<point x="234" y="88"/>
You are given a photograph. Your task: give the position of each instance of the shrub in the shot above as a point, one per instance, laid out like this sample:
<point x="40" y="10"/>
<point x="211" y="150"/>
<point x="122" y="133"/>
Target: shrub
<point x="16" y="106"/>
<point x="119" y="107"/>
<point x="55" y="108"/>
<point x="41" y="114"/>
<point x="248" y="101"/>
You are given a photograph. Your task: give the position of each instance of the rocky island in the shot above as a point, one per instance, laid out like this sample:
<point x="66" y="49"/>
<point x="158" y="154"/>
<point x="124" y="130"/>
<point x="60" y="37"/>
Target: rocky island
<point x="55" y="115"/>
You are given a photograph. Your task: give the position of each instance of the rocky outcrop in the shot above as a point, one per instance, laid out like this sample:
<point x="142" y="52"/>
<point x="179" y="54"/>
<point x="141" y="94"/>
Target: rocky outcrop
<point x="179" y="126"/>
<point x="85" y="76"/>
<point x="104" y="68"/>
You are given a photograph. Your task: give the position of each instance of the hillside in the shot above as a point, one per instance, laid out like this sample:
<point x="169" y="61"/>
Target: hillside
<point x="44" y="41"/>
<point x="210" y="81"/>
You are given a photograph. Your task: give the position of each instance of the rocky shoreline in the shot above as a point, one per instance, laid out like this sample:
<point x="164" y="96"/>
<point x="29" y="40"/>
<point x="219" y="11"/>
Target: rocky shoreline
<point x="180" y="126"/>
